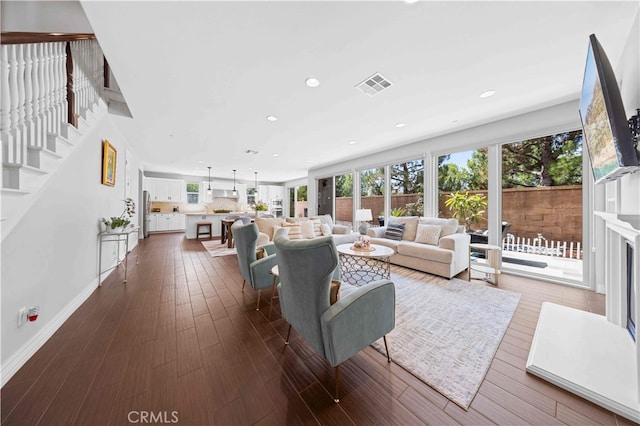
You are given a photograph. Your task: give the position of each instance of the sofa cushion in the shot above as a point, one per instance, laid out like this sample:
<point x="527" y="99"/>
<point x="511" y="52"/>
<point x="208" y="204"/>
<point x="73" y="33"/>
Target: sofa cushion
<point x="326" y="229"/>
<point x="428" y="234"/>
<point x="385" y="242"/>
<point x="295" y="230"/>
<point x="266" y="225"/>
<point x="394" y="231"/>
<point x="425" y="251"/>
<point x="317" y="227"/>
<point x="306" y="229"/>
<point x="410" y="226"/>
<point x="449" y="226"/>
<point x="324" y="218"/>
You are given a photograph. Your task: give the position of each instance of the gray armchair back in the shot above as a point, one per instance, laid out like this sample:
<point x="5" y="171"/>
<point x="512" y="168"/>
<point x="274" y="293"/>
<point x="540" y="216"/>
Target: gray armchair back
<point x="254" y="271"/>
<point x="338" y="331"/>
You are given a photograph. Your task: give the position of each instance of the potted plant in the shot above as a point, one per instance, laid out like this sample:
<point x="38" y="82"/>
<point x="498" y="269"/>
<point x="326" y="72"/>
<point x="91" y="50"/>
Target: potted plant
<point x="260" y="206"/>
<point x="467" y="208"/>
<point x="118" y="224"/>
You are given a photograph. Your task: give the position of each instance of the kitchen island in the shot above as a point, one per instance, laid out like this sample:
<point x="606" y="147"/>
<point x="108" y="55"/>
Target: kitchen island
<point x="193" y="218"/>
<point x="214" y="218"/>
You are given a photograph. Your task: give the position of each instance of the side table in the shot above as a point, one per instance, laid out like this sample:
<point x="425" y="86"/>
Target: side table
<point x="117" y="237"/>
<point x="492" y="257"/>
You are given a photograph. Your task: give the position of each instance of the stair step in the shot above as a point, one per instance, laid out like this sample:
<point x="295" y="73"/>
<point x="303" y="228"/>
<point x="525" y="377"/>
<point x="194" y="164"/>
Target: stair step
<point x="8" y="192"/>
<point x="59" y="144"/>
<point x="21" y="177"/>
<point x="42" y="158"/>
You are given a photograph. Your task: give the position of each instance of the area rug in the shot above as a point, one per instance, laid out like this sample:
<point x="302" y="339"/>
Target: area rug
<point x="447" y="332"/>
<point x="216" y="249"/>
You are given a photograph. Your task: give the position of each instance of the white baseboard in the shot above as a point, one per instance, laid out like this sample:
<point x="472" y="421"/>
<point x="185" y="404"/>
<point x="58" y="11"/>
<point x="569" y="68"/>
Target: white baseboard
<point x="22" y="355"/>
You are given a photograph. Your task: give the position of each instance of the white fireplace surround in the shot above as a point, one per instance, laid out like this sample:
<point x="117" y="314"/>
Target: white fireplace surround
<point x="592" y="355"/>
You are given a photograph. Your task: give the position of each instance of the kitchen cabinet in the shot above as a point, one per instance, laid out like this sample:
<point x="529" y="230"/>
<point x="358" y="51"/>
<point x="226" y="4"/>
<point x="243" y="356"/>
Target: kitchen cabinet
<point x="168" y="222"/>
<point x="166" y="189"/>
<point x="153" y="222"/>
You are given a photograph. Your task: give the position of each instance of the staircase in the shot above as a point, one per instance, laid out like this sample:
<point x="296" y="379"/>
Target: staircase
<point x="51" y="92"/>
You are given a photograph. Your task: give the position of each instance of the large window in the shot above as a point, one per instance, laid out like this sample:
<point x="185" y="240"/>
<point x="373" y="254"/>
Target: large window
<point x="372" y="188"/>
<point x="462" y="188"/>
<point x="298" y="204"/>
<point x="542" y="205"/>
<point x="407" y="189"/>
<point x="344" y="199"/>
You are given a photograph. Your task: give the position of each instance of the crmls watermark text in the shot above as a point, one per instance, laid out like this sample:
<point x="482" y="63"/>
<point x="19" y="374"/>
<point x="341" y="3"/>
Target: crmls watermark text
<point x="152" y="417"/>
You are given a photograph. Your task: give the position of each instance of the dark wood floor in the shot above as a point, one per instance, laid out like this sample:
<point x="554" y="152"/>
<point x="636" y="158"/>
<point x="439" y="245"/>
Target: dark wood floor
<point x="182" y="337"/>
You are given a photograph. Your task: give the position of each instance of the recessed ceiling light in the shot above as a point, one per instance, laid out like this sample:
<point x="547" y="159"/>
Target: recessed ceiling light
<point x="487" y="93"/>
<point x="276" y="154"/>
<point x="398" y="125"/>
<point x="410" y="1"/>
<point x="312" y="82"/>
<point x="272" y="118"/>
<point x="352" y="142"/>
<point x="308" y="161"/>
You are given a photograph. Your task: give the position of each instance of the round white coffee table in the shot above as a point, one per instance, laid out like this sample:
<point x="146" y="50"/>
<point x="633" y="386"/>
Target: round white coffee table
<point x="360" y="267"/>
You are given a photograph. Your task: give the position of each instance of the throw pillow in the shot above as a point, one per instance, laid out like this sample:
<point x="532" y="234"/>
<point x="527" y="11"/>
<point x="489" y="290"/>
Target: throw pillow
<point x="306" y="229"/>
<point x="394" y="231"/>
<point x="428" y="234"/>
<point x="295" y="232"/>
<point x="326" y="229"/>
<point x="317" y="227"/>
<point x="260" y="253"/>
<point x="334" y="292"/>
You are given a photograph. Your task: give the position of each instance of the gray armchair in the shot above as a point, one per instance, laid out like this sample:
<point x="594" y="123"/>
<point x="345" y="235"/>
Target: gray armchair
<point x="339" y="331"/>
<point x="253" y="270"/>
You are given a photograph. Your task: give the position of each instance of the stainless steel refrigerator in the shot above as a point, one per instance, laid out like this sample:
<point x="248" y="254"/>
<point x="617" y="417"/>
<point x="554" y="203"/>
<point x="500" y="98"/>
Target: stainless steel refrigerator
<point x="146" y="203"/>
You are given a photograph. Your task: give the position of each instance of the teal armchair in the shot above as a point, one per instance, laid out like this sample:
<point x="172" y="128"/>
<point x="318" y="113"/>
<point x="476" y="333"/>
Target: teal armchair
<point x="361" y="315"/>
<point x="254" y="271"/>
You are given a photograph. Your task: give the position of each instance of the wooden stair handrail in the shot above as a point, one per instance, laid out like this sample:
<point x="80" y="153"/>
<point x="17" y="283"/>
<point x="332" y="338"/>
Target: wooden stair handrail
<point x="34" y="37"/>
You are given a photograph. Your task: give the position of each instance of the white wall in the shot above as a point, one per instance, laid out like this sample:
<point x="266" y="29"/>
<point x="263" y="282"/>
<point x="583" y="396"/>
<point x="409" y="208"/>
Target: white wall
<point x="50" y="258"/>
<point x="628" y="74"/>
<point x="44" y="16"/>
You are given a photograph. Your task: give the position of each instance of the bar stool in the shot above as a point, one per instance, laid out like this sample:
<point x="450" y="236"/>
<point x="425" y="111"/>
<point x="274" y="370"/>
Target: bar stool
<point x="208" y="230"/>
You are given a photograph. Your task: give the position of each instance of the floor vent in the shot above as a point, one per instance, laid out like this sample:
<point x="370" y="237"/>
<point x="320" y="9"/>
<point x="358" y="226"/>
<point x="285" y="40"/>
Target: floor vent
<point x="374" y="84"/>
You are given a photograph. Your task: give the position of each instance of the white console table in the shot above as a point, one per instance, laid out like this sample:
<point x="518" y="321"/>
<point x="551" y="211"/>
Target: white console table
<point x="117" y="237"/>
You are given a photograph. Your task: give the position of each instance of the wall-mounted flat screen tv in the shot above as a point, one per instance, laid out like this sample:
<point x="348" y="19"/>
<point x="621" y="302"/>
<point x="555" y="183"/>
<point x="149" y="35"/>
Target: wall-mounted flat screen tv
<point x="604" y="122"/>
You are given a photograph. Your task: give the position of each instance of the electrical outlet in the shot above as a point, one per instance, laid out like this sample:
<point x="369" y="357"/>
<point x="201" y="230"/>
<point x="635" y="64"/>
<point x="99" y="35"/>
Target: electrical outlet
<point x="22" y="316"/>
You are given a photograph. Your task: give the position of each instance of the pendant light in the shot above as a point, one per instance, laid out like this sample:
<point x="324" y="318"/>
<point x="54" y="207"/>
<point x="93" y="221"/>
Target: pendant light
<point x="255" y="196"/>
<point x="235" y="193"/>
<point x="209" y="189"/>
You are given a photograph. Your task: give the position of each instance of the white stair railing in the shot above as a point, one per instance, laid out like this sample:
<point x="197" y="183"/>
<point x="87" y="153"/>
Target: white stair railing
<point x="36" y="90"/>
<point x="51" y="90"/>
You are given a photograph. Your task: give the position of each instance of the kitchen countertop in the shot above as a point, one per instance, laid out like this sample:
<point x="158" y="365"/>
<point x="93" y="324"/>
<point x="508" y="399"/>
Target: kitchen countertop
<point x="216" y="214"/>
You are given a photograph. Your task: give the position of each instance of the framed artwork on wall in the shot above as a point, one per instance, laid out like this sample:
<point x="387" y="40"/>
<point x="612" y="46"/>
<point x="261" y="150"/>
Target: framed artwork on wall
<point x="108" y="163"/>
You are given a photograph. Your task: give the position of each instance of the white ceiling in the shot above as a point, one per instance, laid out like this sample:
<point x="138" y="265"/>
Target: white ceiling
<point x="201" y="77"/>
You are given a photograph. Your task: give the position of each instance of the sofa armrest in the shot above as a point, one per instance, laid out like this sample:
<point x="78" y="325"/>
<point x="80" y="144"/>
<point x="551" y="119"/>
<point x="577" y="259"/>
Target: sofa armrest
<point x="341" y="229"/>
<point x="377" y="232"/>
<point x="455" y="242"/>
<point x="459" y="244"/>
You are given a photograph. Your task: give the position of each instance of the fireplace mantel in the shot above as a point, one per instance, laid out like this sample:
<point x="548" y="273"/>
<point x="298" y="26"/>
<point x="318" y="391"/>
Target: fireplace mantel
<point x="592" y="355"/>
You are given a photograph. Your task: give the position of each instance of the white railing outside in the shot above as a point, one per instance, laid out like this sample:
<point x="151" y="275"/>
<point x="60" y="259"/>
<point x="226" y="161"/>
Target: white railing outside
<point x="542" y="246"/>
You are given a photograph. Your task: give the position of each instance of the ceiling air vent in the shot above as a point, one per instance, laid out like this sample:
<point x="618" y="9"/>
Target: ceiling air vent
<point x="374" y="84"/>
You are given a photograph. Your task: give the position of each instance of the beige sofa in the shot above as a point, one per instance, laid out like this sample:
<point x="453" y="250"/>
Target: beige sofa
<point x="433" y="245"/>
<point x="306" y="228"/>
